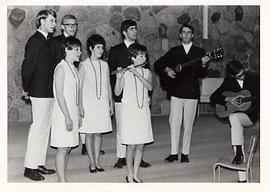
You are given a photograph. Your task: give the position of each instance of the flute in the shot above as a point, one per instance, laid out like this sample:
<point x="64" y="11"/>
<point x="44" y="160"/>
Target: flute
<point x="125" y="69"/>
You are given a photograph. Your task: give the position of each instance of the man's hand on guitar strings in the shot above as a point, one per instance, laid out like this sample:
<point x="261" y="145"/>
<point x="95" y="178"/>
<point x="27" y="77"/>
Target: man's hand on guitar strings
<point x="170" y="72"/>
<point x="205" y="59"/>
<point x="236" y="101"/>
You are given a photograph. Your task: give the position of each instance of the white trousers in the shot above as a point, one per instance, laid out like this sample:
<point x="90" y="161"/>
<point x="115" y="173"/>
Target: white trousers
<point x="39" y="131"/>
<point x="238" y="121"/>
<point x="120" y="148"/>
<point x="182" y="109"/>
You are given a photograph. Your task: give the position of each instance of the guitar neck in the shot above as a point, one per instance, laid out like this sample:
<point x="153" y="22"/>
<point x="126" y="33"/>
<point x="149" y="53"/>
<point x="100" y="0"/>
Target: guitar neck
<point x="191" y="62"/>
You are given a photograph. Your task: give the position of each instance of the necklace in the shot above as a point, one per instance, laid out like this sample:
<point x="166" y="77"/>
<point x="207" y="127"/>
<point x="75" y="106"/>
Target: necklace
<point x="137" y="96"/>
<point x="96" y="79"/>
<point x="77" y="79"/>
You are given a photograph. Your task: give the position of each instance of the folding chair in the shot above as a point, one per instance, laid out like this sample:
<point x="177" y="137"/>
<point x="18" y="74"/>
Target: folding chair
<point x="245" y="167"/>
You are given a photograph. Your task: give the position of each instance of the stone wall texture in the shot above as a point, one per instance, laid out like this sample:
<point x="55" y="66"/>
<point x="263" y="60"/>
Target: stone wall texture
<point x="235" y="28"/>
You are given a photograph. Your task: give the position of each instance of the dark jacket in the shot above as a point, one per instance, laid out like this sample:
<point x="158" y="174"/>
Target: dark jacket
<point x="251" y="83"/>
<point x="37" y="67"/>
<point x="118" y="57"/>
<point x="186" y="84"/>
<point x="55" y="45"/>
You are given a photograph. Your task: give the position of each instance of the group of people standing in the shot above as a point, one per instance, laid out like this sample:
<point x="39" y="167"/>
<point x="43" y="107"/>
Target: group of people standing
<point x="70" y="97"/>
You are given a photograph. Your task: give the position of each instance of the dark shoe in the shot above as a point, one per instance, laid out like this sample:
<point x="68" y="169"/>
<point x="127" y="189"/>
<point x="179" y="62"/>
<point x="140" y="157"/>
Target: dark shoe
<point x="102" y="152"/>
<point x="92" y="170"/>
<point x="120" y="163"/>
<point x="184" y="158"/>
<point x="238" y="159"/>
<point x="84" y="151"/>
<point x="171" y="158"/>
<point x="43" y="170"/>
<point x="243" y="181"/>
<point x="100" y="169"/>
<point x="33" y="174"/>
<point x="137" y="181"/>
<point x="127" y="179"/>
<point x="144" y="164"/>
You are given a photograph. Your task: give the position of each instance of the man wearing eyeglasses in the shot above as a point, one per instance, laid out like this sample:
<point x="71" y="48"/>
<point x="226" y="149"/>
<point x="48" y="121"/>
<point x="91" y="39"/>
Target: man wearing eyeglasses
<point x="69" y="27"/>
<point x="236" y="80"/>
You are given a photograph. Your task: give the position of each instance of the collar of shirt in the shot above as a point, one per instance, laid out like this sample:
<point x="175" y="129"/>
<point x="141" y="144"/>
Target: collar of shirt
<point x="43" y="33"/>
<point x="128" y="43"/>
<point x="240" y="82"/>
<point x="65" y="34"/>
<point x="187" y="47"/>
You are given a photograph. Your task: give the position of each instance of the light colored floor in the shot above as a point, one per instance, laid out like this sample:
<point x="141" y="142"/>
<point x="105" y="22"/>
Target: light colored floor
<point x="210" y="140"/>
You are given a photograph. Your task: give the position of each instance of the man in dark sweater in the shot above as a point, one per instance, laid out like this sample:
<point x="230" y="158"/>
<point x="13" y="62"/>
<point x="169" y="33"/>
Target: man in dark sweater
<point x="181" y="79"/>
<point x="238" y="79"/>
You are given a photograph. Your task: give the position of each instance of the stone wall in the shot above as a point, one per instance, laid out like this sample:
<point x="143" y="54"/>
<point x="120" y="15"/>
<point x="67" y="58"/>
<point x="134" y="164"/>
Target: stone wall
<point x="235" y="28"/>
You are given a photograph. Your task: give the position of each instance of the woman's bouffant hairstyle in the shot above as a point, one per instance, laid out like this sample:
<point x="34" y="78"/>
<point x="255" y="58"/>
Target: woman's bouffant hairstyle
<point x="134" y="49"/>
<point x="94" y="40"/>
<point x="70" y="43"/>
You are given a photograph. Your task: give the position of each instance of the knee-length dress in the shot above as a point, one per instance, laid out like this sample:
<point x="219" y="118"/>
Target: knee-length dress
<point x="95" y="97"/>
<point x="60" y="137"/>
<point x="135" y="119"/>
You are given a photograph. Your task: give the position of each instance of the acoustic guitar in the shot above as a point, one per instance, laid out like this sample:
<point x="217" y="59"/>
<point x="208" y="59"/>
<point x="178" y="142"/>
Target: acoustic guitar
<point x="243" y="103"/>
<point x="167" y="82"/>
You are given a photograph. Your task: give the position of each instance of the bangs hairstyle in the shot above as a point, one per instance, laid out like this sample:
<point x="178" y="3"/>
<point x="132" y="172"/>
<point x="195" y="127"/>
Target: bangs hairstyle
<point x="134" y="50"/>
<point x="126" y="24"/>
<point x="43" y="15"/>
<point x="187" y="26"/>
<point x="94" y="40"/>
<point x="70" y="43"/>
<point x="234" y="67"/>
<point x="68" y="16"/>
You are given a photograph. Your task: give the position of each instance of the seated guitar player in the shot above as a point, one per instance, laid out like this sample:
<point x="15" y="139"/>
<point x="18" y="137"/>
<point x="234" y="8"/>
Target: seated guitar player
<point x="238" y="79"/>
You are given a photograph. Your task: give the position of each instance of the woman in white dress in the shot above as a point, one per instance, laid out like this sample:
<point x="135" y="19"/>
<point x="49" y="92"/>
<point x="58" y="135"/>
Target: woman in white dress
<point x="96" y="100"/>
<point x="67" y="112"/>
<point x="135" y="118"/>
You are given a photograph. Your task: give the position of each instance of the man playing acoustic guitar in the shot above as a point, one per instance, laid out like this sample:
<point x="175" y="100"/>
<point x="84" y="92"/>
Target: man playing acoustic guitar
<point x="238" y="81"/>
<point x="183" y="88"/>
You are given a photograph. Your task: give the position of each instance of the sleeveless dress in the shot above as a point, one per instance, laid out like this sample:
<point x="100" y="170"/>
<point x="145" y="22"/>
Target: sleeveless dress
<point x="60" y="137"/>
<point x="95" y="97"/>
<point x="135" y="118"/>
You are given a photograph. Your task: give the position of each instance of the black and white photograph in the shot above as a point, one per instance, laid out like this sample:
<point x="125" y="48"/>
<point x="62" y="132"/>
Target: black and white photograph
<point x="113" y="93"/>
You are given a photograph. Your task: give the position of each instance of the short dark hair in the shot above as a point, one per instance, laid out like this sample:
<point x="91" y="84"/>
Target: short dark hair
<point x="188" y="26"/>
<point x="126" y="24"/>
<point x="234" y="67"/>
<point x="43" y="15"/>
<point x="134" y="49"/>
<point x="68" y="16"/>
<point x="69" y="43"/>
<point x="95" y="40"/>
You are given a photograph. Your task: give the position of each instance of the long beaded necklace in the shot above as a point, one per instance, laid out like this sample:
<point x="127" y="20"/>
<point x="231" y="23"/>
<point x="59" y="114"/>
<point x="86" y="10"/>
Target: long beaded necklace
<point x="100" y="82"/>
<point x="137" y="96"/>
<point x="77" y="79"/>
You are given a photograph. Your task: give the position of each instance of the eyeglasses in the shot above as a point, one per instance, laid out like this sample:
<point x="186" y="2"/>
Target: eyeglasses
<point x="71" y="25"/>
